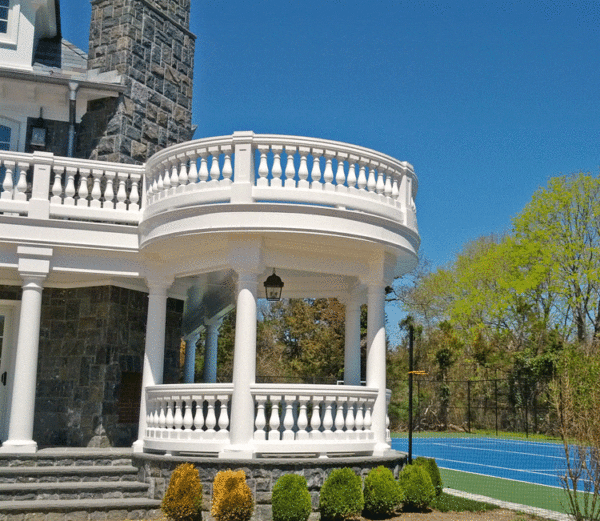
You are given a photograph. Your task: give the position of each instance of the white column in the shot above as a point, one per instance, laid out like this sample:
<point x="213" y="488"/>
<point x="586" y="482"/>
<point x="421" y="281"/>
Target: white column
<point x="154" y="355"/>
<point x="352" y="341"/>
<point x="244" y="368"/>
<point x="376" y="352"/>
<point x="189" y="365"/>
<point x="210" y="351"/>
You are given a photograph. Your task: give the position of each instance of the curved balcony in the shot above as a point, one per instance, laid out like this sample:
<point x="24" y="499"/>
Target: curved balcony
<point x="289" y="419"/>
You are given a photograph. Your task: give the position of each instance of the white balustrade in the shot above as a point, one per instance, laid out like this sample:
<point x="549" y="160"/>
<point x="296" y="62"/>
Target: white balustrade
<point x="187" y="418"/>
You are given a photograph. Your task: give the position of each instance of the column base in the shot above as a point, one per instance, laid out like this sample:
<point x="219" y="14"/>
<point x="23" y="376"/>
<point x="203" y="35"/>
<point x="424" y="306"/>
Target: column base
<point x="236" y="453"/>
<point x="382" y="449"/>
<point x="138" y="447"/>
<point x="19" y="447"/>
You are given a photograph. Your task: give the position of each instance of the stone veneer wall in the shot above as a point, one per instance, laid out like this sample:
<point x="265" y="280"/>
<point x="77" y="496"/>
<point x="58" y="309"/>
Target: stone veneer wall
<point x="149" y="43"/>
<point x="88" y="337"/>
<point x="261" y="474"/>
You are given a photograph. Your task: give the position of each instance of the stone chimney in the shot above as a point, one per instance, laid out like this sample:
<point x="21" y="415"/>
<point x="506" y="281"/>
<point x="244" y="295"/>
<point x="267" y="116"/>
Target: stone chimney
<point x="149" y="44"/>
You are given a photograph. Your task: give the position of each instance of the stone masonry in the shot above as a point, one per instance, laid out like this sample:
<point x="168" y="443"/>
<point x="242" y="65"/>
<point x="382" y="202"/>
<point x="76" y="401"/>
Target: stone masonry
<point x="89" y="337"/>
<point x="149" y="44"/>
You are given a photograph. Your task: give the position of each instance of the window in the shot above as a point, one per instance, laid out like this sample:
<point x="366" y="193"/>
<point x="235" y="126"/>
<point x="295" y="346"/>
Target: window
<point x="3" y="16"/>
<point x="9" y="133"/>
<point x="5" y="133"/>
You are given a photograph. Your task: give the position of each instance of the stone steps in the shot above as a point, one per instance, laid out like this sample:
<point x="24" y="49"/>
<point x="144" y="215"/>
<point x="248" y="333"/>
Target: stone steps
<point x="76" y="485"/>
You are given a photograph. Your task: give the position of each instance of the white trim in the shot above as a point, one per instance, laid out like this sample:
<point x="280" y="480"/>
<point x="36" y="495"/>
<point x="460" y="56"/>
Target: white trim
<point x="10" y="37"/>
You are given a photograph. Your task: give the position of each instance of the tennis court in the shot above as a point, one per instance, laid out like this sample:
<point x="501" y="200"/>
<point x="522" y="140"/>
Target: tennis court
<point x="529" y="461"/>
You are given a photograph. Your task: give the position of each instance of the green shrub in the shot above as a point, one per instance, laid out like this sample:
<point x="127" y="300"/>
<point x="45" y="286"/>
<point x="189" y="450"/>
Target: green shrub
<point x="232" y="498"/>
<point x="432" y="469"/>
<point x="341" y="496"/>
<point x="382" y="493"/>
<point x="417" y="487"/>
<point x="183" y="499"/>
<point x="291" y="499"/>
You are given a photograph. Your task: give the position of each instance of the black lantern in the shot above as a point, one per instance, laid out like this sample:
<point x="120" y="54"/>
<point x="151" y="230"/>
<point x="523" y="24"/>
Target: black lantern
<point x="273" y="287"/>
<point x="38" y="133"/>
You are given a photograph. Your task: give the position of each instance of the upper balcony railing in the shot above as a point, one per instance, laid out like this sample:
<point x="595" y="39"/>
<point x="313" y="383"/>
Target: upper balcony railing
<point x="242" y="168"/>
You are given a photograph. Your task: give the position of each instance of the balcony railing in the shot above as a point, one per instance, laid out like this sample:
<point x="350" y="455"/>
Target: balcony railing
<point x="289" y="419"/>
<point x="242" y="168"/>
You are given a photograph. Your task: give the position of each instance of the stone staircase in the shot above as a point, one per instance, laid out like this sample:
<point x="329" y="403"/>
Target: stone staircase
<point x="73" y="485"/>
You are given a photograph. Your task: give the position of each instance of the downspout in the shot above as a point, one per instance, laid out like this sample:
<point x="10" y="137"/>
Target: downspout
<point x="73" y="86"/>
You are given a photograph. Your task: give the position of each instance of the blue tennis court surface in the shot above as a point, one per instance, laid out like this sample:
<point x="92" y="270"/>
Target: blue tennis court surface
<point x="531" y="461"/>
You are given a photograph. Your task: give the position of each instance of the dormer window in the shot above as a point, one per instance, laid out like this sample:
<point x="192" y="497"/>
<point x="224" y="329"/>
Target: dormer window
<point x="3" y="16"/>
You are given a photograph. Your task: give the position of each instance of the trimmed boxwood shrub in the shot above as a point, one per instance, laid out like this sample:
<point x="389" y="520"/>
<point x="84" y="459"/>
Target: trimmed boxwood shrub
<point x="341" y="496"/>
<point x="183" y="499"/>
<point x="291" y="499"/>
<point x="232" y="498"/>
<point x="417" y="487"/>
<point x="382" y="492"/>
<point x="432" y="469"/>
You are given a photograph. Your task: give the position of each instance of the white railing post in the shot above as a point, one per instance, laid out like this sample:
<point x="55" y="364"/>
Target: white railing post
<point x="241" y="188"/>
<point x="39" y="205"/>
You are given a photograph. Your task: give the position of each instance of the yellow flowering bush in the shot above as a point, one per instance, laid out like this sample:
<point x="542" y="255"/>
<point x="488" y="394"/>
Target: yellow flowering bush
<point x="183" y="499"/>
<point x="232" y="498"/>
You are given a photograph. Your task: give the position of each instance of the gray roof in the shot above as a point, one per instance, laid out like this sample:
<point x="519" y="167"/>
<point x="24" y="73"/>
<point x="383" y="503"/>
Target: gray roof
<point x="59" y="56"/>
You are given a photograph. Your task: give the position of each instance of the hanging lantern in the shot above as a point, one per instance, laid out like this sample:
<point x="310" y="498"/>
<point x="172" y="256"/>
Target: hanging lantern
<point x="273" y="287"/>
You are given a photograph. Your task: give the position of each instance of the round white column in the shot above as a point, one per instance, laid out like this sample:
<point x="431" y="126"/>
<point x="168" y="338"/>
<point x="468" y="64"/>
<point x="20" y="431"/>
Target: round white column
<point x="154" y="355"/>
<point x="244" y="368"/>
<point x="22" y="407"/>
<point x="376" y="352"/>
<point x="352" y="341"/>
<point x="189" y="365"/>
<point x="210" y="352"/>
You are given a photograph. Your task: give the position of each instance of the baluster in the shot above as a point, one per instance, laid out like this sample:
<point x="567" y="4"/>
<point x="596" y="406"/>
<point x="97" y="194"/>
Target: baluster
<point x="70" y="186"/>
<point x="350" y="419"/>
<point x="339" y="415"/>
<point x="274" y="418"/>
<point x="371" y="179"/>
<point x="328" y="173"/>
<point x="160" y="181"/>
<point x="290" y="169"/>
<point x="183" y="178"/>
<point x="193" y="171"/>
<point x="169" y="419"/>
<point x="227" y="168"/>
<point x="155" y="416"/>
<point x="215" y="171"/>
<point x="368" y="417"/>
<point x="122" y="191"/>
<point x="328" y="419"/>
<point x="7" y="184"/>
<point x="21" y="188"/>
<point x="174" y="175"/>
<point x="96" y="191"/>
<point x="188" y="419"/>
<point x="162" y="417"/>
<point x="361" y="183"/>
<point x="340" y="175"/>
<point x="302" y="422"/>
<point x="263" y="167"/>
<point x="315" y="419"/>
<point x="395" y="190"/>
<point x="352" y="171"/>
<point x="315" y="173"/>
<point x="360" y="420"/>
<point x="380" y="185"/>
<point x="276" y="170"/>
<point x="109" y="193"/>
<point x="134" y="195"/>
<point x="83" y="191"/>
<point x="288" y="418"/>
<point x="203" y="174"/>
<point x="387" y="191"/>
<point x="260" y="421"/>
<point x="303" y="169"/>
<point x="223" y="422"/>
<point x="56" y="185"/>
<point x="178" y="417"/>
<point x="150" y="418"/>
<point x="166" y="178"/>
<point x="199" y="416"/>
<point x="211" y="419"/>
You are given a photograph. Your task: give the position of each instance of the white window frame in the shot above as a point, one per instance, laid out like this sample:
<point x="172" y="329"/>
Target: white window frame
<point x="10" y="37"/>
<point x="14" y="132"/>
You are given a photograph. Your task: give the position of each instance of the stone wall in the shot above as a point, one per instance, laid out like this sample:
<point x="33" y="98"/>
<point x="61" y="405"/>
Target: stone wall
<point x="88" y="338"/>
<point x="261" y="474"/>
<point x="149" y="43"/>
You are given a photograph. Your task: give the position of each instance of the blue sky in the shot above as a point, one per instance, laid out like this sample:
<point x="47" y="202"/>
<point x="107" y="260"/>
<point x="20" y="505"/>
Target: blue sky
<point x="487" y="99"/>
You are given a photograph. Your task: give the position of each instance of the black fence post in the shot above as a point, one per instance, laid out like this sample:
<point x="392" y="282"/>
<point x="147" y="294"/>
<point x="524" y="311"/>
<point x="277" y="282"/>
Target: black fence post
<point x="469" y="405"/>
<point x="496" y="395"/>
<point x="410" y="391"/>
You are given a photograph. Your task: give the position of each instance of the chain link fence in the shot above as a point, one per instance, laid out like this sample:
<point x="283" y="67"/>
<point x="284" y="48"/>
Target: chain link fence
<point x="500" y="405"/>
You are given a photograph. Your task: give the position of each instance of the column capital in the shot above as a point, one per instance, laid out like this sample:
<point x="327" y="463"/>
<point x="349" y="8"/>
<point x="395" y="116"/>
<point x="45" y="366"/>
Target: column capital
<point x="34" y="262"/>
<point x="158" y="282"/>
<point x="245" y="256"/>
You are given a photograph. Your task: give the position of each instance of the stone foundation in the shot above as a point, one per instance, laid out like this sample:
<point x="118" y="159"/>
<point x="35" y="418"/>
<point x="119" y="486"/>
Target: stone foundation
<point x="261" y="474"/>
